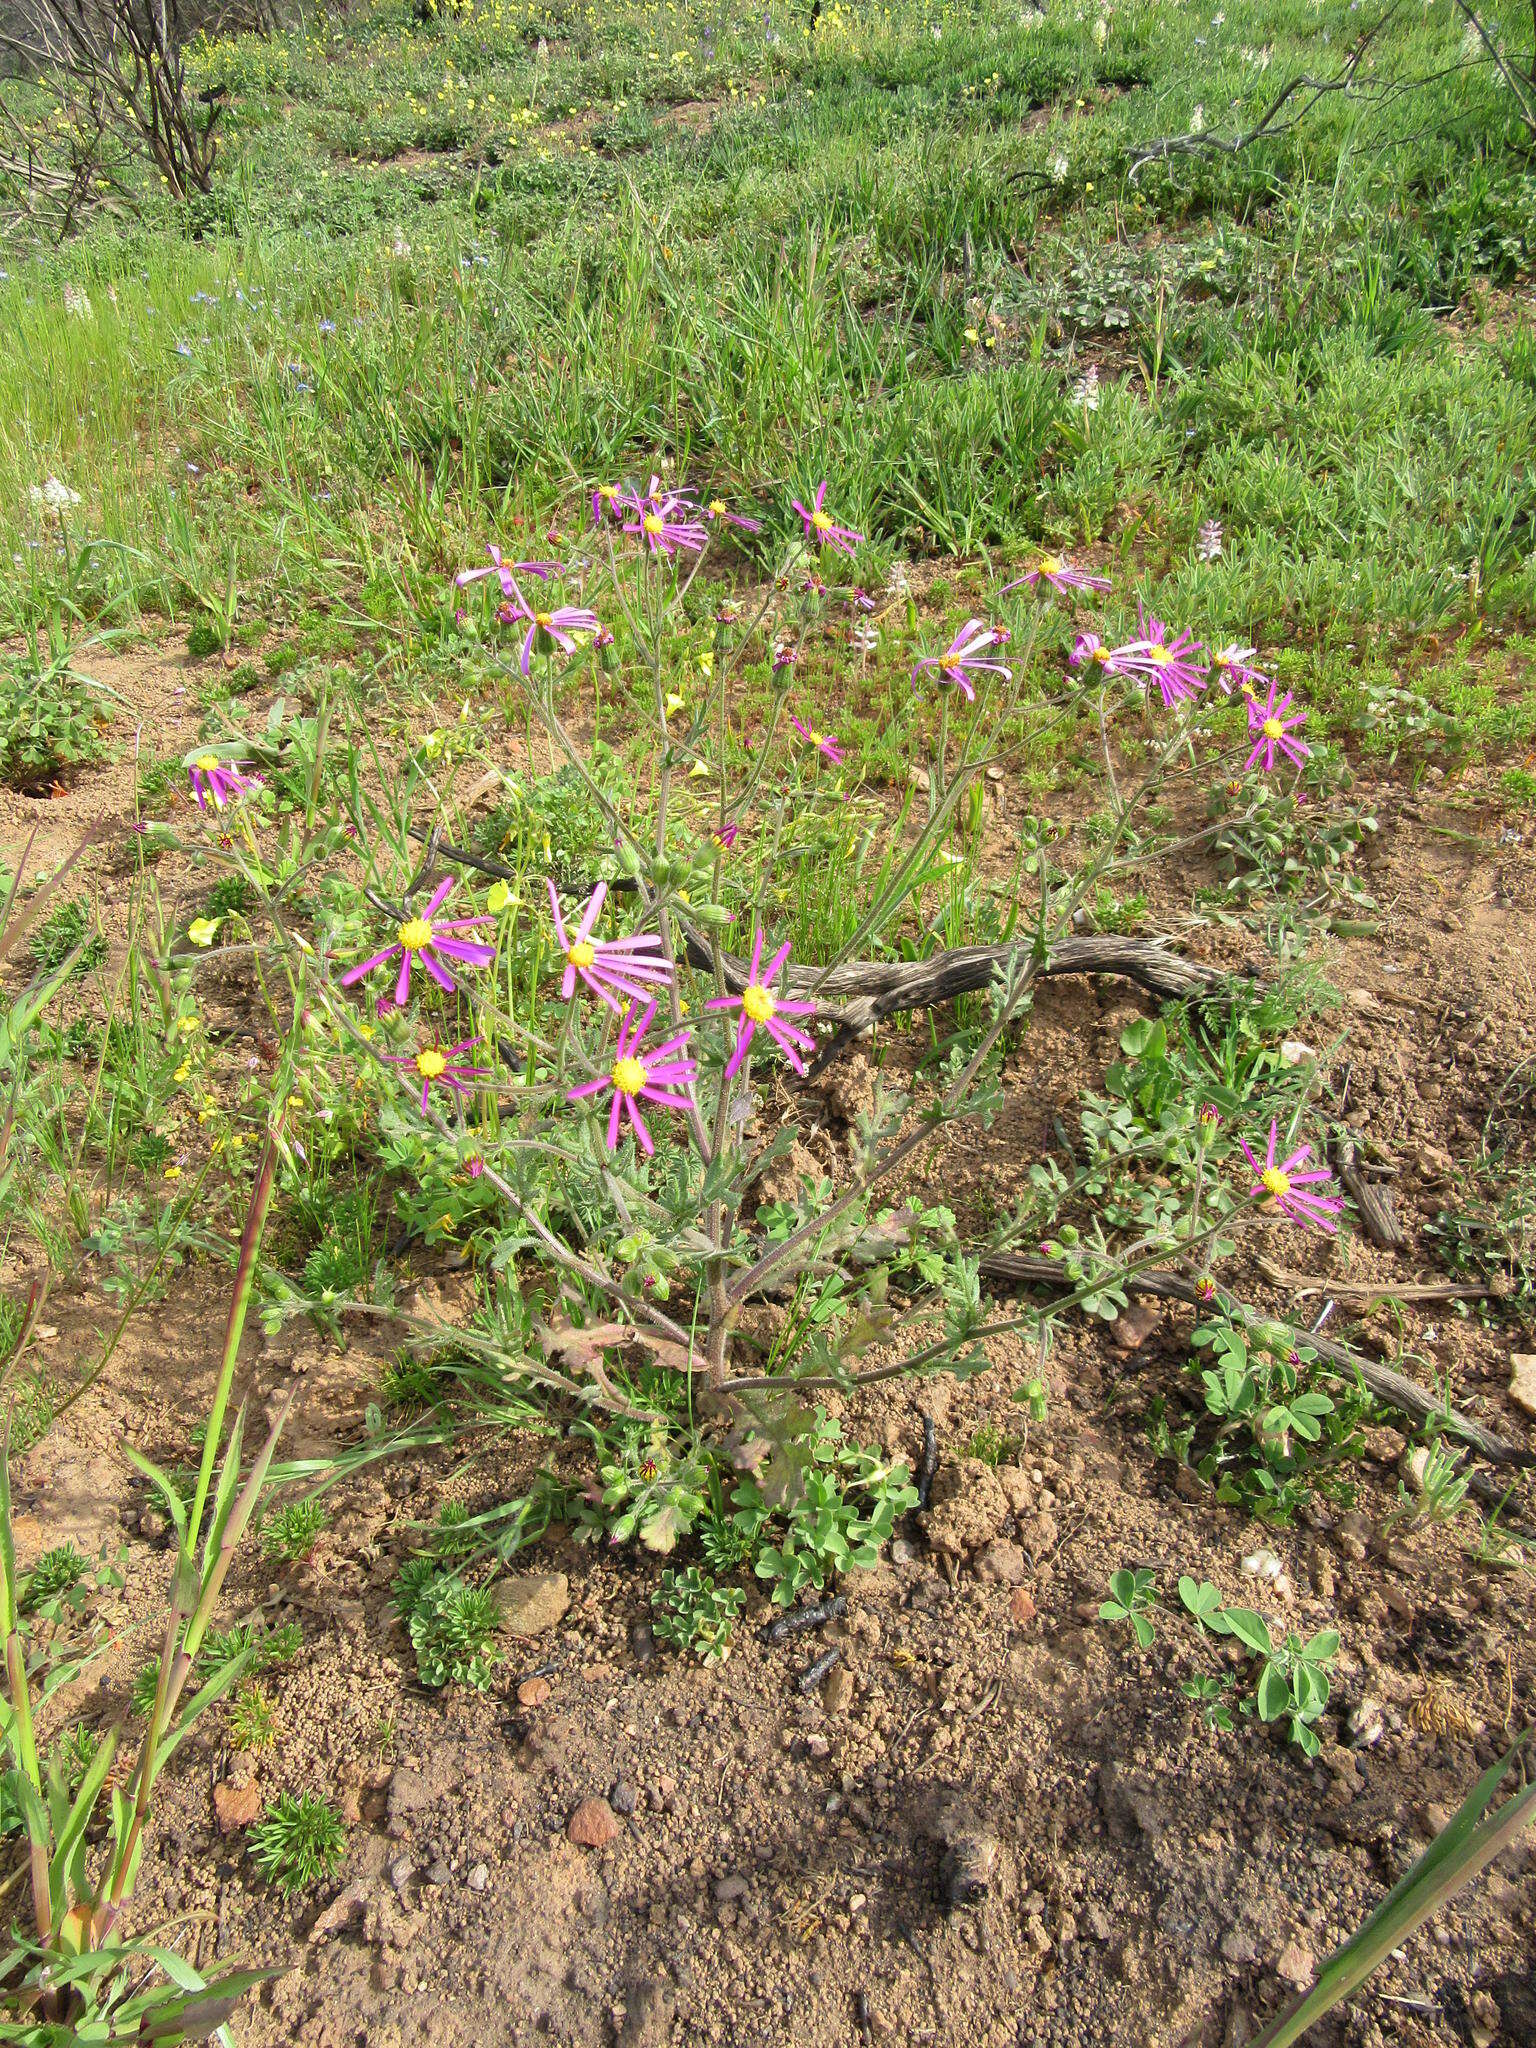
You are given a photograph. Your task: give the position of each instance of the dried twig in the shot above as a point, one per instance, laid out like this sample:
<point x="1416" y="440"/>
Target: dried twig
<point x="1384" y="1381"/>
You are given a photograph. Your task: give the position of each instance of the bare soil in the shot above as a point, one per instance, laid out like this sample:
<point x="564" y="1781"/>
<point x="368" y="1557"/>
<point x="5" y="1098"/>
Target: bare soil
<point x="778" y="1857"/>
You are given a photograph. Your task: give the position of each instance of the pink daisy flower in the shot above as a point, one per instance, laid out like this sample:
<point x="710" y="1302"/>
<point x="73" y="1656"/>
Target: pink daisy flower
<point x="824" y="742"/>
<point x="216" y="781"/>
<point x="1060" y="572"/>
<point x="724" y="836"/>
<point x="560" y="625"/>
<point x="423" y="938"/>
<point x="717" y="509"/>
<point x="1276" y="733"/>
<point x="1231" y="666"/>
<point x="604" y="965"/>
<point x="642" y="1073"/>
<point x="664" y="521"/>
<point x="505" y="572"/>
<point x="820" y="525"/>
<point x="1167" y="659"/>
<point x="965" y="654"/>
<point x="1288" y="1183"/>
<point x="440" y="1066"/>
<point x="610" y="501"/>
<point x="758" y="1005"/>
<point x="1088" y="650"/>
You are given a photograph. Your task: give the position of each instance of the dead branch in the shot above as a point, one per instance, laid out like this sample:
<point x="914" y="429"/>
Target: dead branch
<point x="1301" y="95"/>
<point x="874" y="989"/>
<point x="1384" y="1381"/>
<point x="118" y="69"/>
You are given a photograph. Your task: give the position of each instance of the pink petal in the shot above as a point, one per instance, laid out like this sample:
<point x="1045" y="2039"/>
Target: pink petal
<point x="356" y="973"/>
<point x="743" y="1041"/>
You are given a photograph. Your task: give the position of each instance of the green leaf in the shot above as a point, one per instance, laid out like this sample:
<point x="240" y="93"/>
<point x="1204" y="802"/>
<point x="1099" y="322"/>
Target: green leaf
<point x="160" y="1481"/>
<point x="1204" y="1603"/>
<point x="85" y="1802"/>
<point x="1274" y="1694"/>
<point x="1142" y="1624"/>
<point x="1250" y="1629"/>
<point x="1122" y="1586"/>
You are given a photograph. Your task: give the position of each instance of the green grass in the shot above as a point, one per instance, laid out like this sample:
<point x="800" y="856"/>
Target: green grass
<point x="442" y="286"/>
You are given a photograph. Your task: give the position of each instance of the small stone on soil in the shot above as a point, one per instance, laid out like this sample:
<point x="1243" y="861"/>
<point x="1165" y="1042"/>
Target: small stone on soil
<point x="533" y="1602"/>
<point x="592" y="1825"/>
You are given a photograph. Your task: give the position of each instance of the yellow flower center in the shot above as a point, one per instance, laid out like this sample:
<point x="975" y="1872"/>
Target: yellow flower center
<point x="1159" y="654"/>
<point x="1272" y="729"/>
<point x="1051" y="565"/>
<point x="757" y="1003"/>
<point x="415" y="934"/>
<point x="582" y="953"/>
<point x="822" y="521"/>
<point x="431" y="1063"/>
<point x="207" y="763"/>
<point x="628" y="1076"/>
<point x="1275" y="1182"/>
<point x="717" y="506"/>
<point x="1102" y="655"/>
<point x="542" y="619"/>
<point x="653" y="522"/>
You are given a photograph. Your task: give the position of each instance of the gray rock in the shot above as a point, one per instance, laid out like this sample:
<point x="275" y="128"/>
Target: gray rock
<point x="479" y="1877"/>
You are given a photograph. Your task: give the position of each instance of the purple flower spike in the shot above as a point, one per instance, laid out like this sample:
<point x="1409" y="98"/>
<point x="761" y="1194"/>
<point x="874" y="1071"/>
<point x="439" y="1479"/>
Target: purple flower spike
<point x="216" y="782"/>
<point x="641" y="1073"/>
<point x="718" y="509"/>
<point x="758" y="1005"/>
<point x="965" y="654"/>
<point x="440" y="1065"/>
<point x="433" y="944"/>
<point x="604" y="965"/>
<point x="1288" y="1183"/>
<point x="825" y="743"/>
<point x="1168" y="660"/>
<point x="664" y="521"/>
<point x="1060" y="573"/>
<point x="1276" y="733"/>
<point x="505" y="572"/>
<point x="819" y="525"/>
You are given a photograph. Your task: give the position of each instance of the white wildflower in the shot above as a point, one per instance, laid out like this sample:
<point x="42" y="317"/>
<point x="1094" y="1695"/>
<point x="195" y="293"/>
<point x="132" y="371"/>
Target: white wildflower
<point x="1085" y="392"/>
<point x="1059" y="168"/>
<point x="77" y="302"/>
<point x="53" y="499"/>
